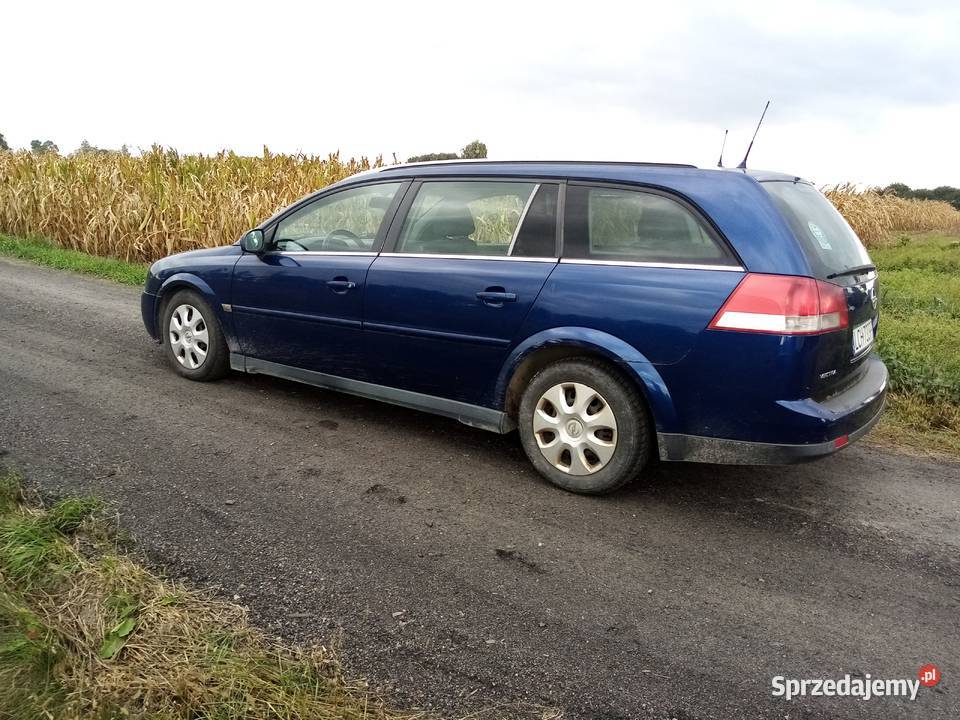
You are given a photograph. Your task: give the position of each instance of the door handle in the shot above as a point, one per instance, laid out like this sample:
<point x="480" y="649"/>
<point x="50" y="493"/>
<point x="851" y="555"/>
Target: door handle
<point x="496" y="297"/>
<point x="341" y="285"/>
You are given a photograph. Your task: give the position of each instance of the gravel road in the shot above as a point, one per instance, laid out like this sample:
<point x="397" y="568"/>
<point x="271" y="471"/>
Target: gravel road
<point x="456" y="578"/>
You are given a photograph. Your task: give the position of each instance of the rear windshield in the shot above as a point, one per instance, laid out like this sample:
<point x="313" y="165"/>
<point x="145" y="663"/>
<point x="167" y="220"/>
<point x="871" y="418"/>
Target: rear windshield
<point x="829" y="243"/>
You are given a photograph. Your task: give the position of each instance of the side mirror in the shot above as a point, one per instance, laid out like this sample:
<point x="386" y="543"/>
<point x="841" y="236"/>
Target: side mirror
<point x="253" y="241"/>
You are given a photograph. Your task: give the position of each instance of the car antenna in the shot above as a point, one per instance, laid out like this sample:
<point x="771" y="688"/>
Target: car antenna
<point x="743" y="163"/>
<point x="722" y="146"/>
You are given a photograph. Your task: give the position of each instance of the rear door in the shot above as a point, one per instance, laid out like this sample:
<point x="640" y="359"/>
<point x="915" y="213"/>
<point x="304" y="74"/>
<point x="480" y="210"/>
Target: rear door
<point x="458" y="276"/>
<point x="836" y="255"/>
<point x="301" y="303"/>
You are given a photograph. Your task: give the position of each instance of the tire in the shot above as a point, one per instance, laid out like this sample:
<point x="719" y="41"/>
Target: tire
<point x="202" y="352"/>
<point x="595" y="407"/>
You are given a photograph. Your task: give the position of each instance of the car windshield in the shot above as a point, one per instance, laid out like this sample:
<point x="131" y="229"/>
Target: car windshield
<point x="829" y="243"/>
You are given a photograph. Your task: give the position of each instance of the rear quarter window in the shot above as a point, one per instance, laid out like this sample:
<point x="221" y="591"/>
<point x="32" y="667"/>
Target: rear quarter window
<point x="615" y="224"/>
<point x="829" y="243"/>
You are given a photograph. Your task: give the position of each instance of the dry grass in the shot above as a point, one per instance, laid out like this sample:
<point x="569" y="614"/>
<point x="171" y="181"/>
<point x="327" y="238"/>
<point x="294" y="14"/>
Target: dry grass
<point x="141" y="208"/>
<point x="919" y="426"/>
<point x="876" y="216"/>
<point x="85" y="632"/>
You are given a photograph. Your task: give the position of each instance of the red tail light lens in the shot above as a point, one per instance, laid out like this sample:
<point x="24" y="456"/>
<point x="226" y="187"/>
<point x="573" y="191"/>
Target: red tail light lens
<point x="783" y="305"/>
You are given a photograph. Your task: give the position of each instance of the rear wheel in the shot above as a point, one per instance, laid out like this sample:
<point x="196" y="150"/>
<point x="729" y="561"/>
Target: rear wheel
<point x="584" y="427"/>
<point x="192" y="338"/>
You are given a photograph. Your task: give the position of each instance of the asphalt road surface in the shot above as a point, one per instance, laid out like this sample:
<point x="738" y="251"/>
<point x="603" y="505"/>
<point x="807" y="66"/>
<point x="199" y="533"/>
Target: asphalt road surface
<point x="456" y="577"/>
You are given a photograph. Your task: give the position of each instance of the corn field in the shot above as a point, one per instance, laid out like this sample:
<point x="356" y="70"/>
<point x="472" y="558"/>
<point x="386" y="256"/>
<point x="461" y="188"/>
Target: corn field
<point x="140" y="208"/>
<point x="875" y="216"/>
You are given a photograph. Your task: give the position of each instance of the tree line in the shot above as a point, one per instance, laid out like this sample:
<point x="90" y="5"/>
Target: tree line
<point x="473" y="150"/>
<point x="944" y="193"/>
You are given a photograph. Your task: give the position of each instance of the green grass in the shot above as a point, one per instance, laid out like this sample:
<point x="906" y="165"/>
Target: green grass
<point x="85" y="632"/>
<point x="45" y="253"/>
<point x="919" y="339"/>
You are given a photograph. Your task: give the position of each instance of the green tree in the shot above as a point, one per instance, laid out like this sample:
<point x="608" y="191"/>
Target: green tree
<point x="474" y="150"/>
<point x="87" y="149"/>
<point x="899" y="189"/>
<point x="430" y="157"/>
<point x="3" y="143"/>
<point x="46" y="146"/>
<point x="944" y="193"/>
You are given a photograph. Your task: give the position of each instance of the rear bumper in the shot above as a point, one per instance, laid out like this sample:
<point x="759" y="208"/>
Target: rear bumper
<point x="845" y="418"/>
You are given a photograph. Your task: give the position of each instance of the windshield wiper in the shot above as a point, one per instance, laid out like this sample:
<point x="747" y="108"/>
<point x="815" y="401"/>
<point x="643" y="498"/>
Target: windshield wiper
<point x="852" y="271"/>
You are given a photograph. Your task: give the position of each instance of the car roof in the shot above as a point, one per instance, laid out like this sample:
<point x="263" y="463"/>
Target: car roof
<point x="639" y="172"/>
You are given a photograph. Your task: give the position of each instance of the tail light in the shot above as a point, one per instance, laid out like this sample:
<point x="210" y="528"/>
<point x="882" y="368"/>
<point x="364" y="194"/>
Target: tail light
<point x="783" y="305"/>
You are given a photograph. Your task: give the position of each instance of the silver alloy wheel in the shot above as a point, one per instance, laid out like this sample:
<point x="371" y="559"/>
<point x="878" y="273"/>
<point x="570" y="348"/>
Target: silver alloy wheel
<point x="575" y="428"/>
<point x="188" y="336"/>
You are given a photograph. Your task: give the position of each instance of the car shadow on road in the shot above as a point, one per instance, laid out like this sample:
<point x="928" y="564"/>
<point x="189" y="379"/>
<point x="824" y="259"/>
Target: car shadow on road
<point x="811" y="502"/>
<point x="685" y="483"/>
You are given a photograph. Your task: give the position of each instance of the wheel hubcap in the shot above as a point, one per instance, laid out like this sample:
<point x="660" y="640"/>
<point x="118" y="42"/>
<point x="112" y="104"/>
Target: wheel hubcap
<point x="188" y="336"/>
<point x="575" y="428"/>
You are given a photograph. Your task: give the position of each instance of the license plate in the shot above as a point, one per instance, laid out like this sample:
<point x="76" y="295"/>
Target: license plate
<point x="862" y="337"/>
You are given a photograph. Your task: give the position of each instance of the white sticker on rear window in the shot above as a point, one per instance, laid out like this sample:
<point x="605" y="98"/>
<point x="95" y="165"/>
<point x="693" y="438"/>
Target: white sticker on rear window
<point x="819" y="235"/>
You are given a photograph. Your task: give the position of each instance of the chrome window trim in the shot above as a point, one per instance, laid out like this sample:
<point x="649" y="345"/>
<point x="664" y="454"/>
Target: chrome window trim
<point x="635" y="263"/>
<point x="356" y="253"/>
<point x="468" y="257"/>
<point x="523" y="216"/>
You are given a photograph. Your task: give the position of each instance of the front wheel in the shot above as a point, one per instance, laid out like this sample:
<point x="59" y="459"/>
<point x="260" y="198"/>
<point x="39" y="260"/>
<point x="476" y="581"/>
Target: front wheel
<point x="192" y="338"/>
<point x="584" y="427"/>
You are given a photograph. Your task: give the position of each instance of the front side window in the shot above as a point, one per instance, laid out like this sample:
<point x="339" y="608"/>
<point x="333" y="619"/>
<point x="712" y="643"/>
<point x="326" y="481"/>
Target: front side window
<point x="347" y="221"/>
<point x="481" y="218"/>
<point x="635" y="226"/>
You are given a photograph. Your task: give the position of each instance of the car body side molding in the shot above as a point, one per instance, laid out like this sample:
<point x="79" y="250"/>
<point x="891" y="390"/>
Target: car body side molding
<point x="473" y="415"/>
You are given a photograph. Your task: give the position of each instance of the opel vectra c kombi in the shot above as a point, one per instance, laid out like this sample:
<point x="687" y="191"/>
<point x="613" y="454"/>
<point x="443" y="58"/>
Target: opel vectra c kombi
<point x="613" y="313"/>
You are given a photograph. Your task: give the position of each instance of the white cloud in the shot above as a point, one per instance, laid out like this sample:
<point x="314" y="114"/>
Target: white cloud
<point x="860" y="92"/>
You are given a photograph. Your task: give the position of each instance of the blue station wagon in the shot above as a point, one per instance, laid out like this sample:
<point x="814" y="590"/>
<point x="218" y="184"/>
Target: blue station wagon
<point x="612" y="313"/>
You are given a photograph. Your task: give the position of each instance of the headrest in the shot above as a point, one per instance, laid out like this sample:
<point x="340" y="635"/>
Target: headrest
<point x="451" y="219"/>
<point x="662" y="224"/>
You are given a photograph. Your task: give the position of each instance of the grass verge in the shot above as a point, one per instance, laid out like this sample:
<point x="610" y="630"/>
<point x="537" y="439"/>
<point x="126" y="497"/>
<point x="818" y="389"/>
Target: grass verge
<point x="919" y="340"/>
<point x="87" y="633"/>
<point x="45" y="253"/>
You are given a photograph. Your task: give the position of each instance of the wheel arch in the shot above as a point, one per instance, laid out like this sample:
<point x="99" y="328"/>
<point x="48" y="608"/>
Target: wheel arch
<point x="556" y="344"/>
<point x="189" y="281"/>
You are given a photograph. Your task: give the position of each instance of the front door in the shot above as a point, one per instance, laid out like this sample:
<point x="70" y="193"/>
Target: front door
<point x="442" y="308"/>
<point x="301" y="303"/>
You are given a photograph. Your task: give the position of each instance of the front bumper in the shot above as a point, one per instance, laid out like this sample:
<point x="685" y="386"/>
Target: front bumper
<point x="845" y="417"/>
<point x="148" y="310"/>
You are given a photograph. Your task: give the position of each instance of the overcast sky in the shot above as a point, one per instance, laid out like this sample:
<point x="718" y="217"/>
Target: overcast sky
<point x="867" y="92"/>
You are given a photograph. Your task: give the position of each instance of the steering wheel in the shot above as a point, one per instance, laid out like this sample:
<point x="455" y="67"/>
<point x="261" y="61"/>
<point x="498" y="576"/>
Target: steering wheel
<point x="287" y="241"/>
<point x="338" y="239"/>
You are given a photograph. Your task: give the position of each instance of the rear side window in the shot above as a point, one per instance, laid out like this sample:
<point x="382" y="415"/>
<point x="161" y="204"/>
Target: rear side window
<point x="827" y="240"/>
<point x="635" y="226"/>
<point x="481" y="218"/>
